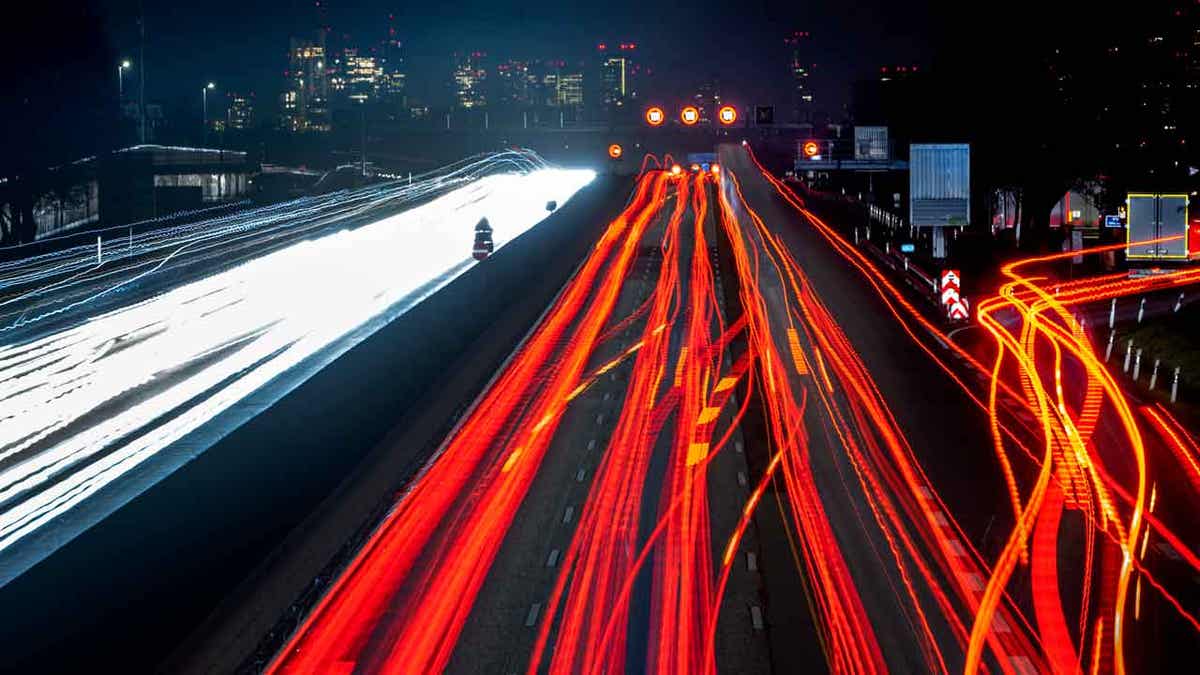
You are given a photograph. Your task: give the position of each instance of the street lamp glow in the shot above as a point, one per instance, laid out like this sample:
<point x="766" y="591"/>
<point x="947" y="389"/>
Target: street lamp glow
<point x="126" y="64"/>
<point x="212" y="85"/>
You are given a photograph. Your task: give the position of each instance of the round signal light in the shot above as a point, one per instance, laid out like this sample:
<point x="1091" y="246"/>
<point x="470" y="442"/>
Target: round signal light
<point x="727" y="114"/>
<point x="655" y="116"/>
<point x="689" y="115"/>
<point x="811" y="149"/>
<point x="615" y="151"/>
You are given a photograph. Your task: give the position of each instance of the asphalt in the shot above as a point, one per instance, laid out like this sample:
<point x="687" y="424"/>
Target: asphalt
<point x="947" y="431"/>
<point x="498" y="636"/>
<point x="200" y="559"/>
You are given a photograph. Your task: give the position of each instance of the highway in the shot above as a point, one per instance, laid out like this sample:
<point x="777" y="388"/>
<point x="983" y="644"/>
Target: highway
<point x="589" y="452"/>
<point x="733" y="442"/>
<point x="1082" y="459"/>
<point x="897" y="502"/>
<point x="109" y="365"/>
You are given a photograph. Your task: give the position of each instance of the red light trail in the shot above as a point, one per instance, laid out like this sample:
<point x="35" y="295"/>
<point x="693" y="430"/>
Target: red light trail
<point x="893" y="581"/>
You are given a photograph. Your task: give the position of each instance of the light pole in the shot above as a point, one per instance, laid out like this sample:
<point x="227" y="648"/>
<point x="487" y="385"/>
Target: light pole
<point x="204" y="92"/>
<point x="121" y="68"/>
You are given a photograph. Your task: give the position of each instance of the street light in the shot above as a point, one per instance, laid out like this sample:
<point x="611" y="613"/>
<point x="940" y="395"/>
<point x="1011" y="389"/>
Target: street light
<point x="121" y="68"/>
<point x="204" y="91"/>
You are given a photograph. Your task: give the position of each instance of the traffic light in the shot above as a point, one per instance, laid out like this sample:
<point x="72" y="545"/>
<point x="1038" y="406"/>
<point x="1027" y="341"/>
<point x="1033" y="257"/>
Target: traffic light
<point x="689" y="115"/>
<point x="727" y="114"/>
<point x="655" y="116"/>
<point x="764" y="114"/>
<point x="615" y="151"/>
<point x="811" y="149"/>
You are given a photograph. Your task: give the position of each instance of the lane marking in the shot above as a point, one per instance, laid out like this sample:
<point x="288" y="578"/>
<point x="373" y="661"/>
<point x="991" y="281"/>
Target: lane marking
<point x="725" y="383"/>
<point x="707" y="415"/>
<point x="752" y="562"/>
<point x="696" y="453"/>
<point x="568" y="514"/>
<point x="592" y="444"/>
<point x="552" y="560"/>
<point x="742" y="480"/>
<point x="531" y="618"/>
<point x="579" y="475"/>
<point x="756" y="617"/>
<point x="797" y="355"/>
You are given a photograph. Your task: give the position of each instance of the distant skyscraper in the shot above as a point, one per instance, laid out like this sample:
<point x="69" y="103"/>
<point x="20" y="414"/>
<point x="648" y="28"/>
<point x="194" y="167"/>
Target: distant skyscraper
<point x="569" y="89"/>
<point x="393" y="86"/>
<point x="357" y="77"/>
<point x="618" y="71"/>
<point x="512" y="84"/>
<point x="469" y="80"/>
<point x="305" y="101"/>
<point x="240" y="113"/>
<point x="800" y="68"/>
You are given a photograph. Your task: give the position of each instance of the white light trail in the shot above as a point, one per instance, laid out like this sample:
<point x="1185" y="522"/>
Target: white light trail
<point x="83" y="406"/>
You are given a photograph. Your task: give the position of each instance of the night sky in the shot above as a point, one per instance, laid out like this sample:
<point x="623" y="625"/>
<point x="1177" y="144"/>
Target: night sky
<point x="243" y="45"/>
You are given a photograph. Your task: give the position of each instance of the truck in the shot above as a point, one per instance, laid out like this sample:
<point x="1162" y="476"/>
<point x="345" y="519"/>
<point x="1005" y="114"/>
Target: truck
<point x="484" y="247"/>
<point x="1153" y="217"/>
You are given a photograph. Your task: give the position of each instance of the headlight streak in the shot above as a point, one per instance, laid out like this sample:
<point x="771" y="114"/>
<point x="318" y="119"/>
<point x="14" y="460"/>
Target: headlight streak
<point x="176" y="360"/>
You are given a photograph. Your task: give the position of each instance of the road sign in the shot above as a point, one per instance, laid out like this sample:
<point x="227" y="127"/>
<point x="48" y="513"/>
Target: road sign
<point x="655" y="116"/>
<point x="689" y="115"/>
<point x="959" y="310"/>
<point x="764" y="114"/>
<point x="908" y="247"/>
<point x="951" y="288"/>
<point x="727" y="114"/>
<point x="1112" y="221"/>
